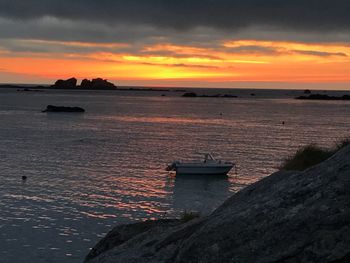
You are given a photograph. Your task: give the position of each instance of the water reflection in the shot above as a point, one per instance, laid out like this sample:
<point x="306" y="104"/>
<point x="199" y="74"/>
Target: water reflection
<point x="89" y="172"/>
<point x="199" y="193"/>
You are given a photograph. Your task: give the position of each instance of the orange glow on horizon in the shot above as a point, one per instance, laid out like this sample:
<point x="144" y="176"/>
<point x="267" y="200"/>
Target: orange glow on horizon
<point x="243" y="60"/>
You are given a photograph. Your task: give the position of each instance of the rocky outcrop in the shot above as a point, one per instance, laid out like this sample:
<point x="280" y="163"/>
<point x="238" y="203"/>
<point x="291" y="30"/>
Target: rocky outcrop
<point x="194" y="95"/>
<point x="286" y="217"/>
<point x="52" y="108"/>
<point x="189" y="95"/>
<point x="121" y="234"/>
<point x="85" y="83"/>
<point x="323" y="97"/>
<point x="71" y="83"/>
<point x="97" y="84"/>
<point x="65" y="84"/>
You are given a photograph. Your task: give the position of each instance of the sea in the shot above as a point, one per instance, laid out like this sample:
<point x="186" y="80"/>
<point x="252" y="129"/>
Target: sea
<point x="87" y="173"/>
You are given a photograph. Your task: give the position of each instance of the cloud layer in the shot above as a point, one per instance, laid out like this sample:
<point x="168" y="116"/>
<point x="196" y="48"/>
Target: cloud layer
<point x="216" y="40"/>
<point x="316" y="15"/>
<point x="181" y="21"/>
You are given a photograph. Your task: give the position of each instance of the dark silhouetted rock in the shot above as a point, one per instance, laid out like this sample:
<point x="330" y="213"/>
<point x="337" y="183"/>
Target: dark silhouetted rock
<point x="229" y="96"/>
<point x="31" y="90"/>
<point x="27" y="88"/>
<point x="189" y="95"/>
<point x="210" y="96"/>
<point x="85" y="83"/>
<point x="192" y="94"/>
<point x="287" y="217"/>
<point x="97" y="84"/>
<point x="52" y="108"/>
<point x="307" y="91"/>
<point x="323" y="97"/>
<point x="65" y="84"/>
<point x="71" y="83"/>
<point x="123" y="233"/>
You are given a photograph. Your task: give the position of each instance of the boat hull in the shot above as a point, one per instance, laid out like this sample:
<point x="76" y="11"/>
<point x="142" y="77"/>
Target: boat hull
<point x="203" y="170"/>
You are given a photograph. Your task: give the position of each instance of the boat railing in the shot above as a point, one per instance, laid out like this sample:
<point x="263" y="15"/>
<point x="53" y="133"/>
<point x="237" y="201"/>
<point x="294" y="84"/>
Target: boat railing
<point x="207" y="156"/>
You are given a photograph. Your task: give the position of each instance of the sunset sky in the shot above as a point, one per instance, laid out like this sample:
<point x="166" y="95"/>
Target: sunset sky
<point x="198" y="43"/>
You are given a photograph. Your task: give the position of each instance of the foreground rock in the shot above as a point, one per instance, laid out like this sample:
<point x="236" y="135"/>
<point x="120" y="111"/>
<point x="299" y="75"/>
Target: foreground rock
<point x="286" y="217"/>
<point x="123" y="233"/>
<point x="52" y="108"/>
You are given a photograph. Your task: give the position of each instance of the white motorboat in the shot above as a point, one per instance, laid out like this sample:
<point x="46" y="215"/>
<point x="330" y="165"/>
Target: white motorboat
<point x="209" y="166"/>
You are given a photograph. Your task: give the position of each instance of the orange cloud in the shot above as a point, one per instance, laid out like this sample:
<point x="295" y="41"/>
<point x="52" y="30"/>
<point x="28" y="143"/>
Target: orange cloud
<point x="226" y="62"/>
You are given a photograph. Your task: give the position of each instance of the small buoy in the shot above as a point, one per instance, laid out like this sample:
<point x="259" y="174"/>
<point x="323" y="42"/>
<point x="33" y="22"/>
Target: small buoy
<point x="220" y="113"/>
<point x="282" y="122"/>
<point x="24" y="177"/>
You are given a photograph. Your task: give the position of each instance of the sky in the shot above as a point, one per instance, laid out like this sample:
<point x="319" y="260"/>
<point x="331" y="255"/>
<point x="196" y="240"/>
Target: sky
<point x="191" y="43"/>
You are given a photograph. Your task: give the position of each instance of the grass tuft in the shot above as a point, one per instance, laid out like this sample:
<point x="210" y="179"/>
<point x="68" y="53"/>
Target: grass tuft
<point x="342" y="144"/>
<point x="188" y="216"/>
<point x="311" y="155"/>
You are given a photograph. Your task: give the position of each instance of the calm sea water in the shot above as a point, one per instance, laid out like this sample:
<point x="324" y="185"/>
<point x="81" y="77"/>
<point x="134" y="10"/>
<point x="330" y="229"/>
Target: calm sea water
<point x="89" y="172"/>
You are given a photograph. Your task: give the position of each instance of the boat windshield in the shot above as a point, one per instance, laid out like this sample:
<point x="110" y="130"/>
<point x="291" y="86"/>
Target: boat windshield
<point x="208" y="157"/>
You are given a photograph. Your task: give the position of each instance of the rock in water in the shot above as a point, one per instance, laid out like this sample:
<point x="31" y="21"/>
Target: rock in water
<point x="323" y="97"/>
<point x="97" y="83"/>
<point x="52" y="108"/>
<point x="65" y="84"/>
<point x="189" y="95"/>
<point x="286" y="217"/>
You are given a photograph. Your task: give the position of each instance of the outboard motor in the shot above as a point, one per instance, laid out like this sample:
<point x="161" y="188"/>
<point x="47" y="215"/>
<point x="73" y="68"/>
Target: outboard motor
<point x="172" y="166"/>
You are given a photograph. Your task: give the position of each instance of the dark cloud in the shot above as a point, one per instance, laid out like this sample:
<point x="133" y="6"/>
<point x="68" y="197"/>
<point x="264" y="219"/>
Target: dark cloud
<point x="140" y="23"/>
<point x="314" y="15"/>
<point x="320" y="53"/>
<point x="33" y="46"/>
<point x="174" y="54"/>
<point x="252" y="49"/>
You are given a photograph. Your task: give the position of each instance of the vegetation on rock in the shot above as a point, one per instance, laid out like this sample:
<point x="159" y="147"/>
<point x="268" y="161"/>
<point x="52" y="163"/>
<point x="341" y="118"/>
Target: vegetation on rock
<point x="188" y="216"/>
<point x="311" y="155"/>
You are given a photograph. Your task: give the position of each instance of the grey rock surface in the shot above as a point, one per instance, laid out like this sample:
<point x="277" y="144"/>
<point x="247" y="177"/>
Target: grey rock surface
<point x="286" y="217"/>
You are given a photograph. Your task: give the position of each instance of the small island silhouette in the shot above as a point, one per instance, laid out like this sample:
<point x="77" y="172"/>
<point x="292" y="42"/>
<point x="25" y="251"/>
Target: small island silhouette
<point x="71" y="83"/>
<point x="323" y="97"/>
<point x="94" y="84"/>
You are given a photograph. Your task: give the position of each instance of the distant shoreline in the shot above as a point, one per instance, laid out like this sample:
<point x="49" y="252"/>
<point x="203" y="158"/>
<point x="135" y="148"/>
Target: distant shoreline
<point x="244" y="93"/>
<point x="323" y="97"/>
<point x="33" y="87"/>
<point x="164" y="88"/>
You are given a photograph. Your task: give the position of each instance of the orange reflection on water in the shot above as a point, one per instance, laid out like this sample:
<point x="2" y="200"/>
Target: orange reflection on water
<point x="176" y="120"/>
